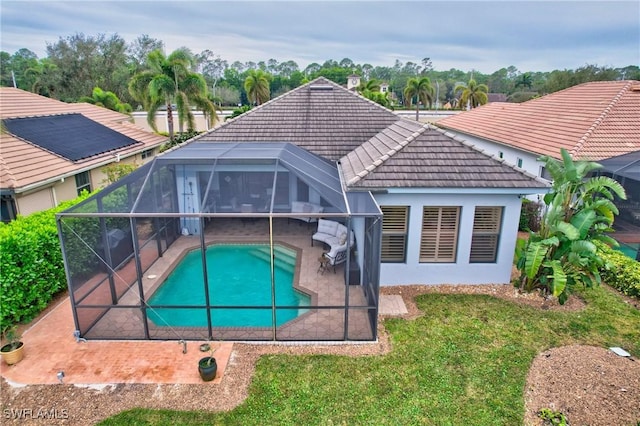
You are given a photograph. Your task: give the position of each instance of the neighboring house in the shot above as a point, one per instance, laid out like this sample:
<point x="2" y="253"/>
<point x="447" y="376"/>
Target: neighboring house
<point x="496" y="97"/>
<point x="353" y="81"/>
<point x="50" y="150"/>
<point x="451" y="212"/>
<point x="593" y="121"/>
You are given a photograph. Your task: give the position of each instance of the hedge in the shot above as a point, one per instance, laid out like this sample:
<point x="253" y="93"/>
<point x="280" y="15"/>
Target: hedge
<point x="32" y="270"/>
<point x="624" y="274"/>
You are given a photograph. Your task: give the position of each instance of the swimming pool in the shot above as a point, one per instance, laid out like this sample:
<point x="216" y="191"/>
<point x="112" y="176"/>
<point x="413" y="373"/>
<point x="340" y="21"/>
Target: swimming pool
<point x="238" y="275"/>
<point x="629" y="249"/>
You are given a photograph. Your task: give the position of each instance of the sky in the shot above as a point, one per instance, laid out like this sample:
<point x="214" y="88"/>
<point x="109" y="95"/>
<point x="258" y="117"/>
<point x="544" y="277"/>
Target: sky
<point x="467" y="35"/>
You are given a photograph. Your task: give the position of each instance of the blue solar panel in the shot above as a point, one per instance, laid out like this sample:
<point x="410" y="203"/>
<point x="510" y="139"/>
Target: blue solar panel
<point x="72" y="136"/>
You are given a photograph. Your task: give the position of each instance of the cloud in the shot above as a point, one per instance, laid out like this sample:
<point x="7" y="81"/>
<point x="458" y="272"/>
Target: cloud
<point x="481" y="35"/>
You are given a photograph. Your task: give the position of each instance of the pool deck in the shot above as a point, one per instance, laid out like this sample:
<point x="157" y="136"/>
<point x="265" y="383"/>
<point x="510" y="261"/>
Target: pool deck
<point x="50" y="346"/>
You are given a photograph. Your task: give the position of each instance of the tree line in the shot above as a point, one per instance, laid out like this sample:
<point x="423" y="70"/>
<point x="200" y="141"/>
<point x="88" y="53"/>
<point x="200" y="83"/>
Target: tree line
<point x="78" y="64"/>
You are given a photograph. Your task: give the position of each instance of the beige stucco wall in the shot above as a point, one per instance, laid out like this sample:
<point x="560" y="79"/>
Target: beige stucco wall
<point x="34" y="202"/>
<point x="65" y="189"/>
<point x="140" y="120"/>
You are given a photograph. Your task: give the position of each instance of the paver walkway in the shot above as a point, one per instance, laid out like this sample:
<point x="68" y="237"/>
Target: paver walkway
<point x="392" y="305"/>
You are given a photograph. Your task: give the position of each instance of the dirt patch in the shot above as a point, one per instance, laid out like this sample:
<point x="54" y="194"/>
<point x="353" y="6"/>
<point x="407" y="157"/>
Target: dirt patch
<point x="589" y="385"/>
<point x="505" y="292"/>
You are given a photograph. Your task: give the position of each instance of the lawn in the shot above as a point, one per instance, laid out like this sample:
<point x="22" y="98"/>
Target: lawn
<point x="463" y="363"/>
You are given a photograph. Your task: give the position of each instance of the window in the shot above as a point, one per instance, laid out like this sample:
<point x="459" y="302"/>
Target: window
<point x="544" y="173"/>
<point x="487" y="222"/>
<point x="395" y="220"/>
<point x="500" y="154"/>
<point x="520" y="162"/>
<point x="147" y="153"/>
<point x="83" y="181"/>
<point x="439" y="241"/>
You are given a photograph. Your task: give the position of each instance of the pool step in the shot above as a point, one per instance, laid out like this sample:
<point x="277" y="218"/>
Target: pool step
<point x="283" y="257"/>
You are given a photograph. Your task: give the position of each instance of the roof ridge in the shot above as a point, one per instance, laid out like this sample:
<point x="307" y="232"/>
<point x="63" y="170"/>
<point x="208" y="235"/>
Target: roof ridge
<point x="600" y="119"/>
<point x="390" y="153"/>
<point x="457" y="138"/>
<point x="11" y="178"/>
<point x="253" y="110"/>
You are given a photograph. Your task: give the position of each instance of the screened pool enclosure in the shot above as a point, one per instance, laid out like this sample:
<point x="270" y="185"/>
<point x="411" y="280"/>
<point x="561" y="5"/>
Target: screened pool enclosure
<point x="216" y="241"/>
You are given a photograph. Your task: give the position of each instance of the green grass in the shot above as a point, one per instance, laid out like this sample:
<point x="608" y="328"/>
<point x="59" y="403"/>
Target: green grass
<point x="463" y="363"/>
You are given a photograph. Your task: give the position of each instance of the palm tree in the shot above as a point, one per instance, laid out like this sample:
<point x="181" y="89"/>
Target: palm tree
<point x="45" y="76"/>
<point x="422" y="89"/>
<point x="525" y="80"/>
<point x="257" y="86"/>
<point x="169" y="81"/>
<point x="372" y="85"/>
<point x="473" y="94"/>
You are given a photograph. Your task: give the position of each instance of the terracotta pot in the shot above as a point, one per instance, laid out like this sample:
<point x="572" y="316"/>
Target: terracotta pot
<point x="12" y="356"/>
<point x="207" y="369"/>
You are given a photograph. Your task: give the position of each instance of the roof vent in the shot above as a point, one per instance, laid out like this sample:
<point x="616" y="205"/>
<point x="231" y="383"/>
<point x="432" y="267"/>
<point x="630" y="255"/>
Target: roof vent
<point x="635" y="88"/>
<point x="320" y="87"/>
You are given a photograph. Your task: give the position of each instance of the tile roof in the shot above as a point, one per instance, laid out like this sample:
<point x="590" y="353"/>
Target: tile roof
<point x="321" y="117"/>
<point x="592" y="121"/>
<point x="23" y="164"/>
<point x="410" y="154"/>
<point x="376" y="148"/>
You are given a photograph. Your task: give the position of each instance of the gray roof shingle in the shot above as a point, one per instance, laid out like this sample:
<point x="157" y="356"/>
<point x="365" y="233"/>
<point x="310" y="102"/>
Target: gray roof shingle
<point x="321" y="117"/>
<point x="376" y="148"/>
<point x="427" y="158"/>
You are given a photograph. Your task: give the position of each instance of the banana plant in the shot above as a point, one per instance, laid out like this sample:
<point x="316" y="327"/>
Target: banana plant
<point x="579" y="211"/>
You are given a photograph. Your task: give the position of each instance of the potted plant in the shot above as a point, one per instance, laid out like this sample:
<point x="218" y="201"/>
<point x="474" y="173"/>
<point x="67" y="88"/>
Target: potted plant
<point x="207" y="366"/>
<point x="12" y="350"/>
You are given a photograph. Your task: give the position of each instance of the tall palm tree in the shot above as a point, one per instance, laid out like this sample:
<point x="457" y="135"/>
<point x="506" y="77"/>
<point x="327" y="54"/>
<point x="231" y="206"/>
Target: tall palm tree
<point x="422" y="89"/>
<point x="257" y="86"/>
<point x="473" y="94"/>
<point x="169" y="81"/>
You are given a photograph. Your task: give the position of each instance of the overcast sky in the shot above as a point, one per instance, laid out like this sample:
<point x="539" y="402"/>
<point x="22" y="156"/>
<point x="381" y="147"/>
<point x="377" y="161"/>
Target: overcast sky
<point x="480" y="35"/>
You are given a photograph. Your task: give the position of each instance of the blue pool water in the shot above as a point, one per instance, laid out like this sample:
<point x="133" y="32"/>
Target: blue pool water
<point x="238" y="275"/>
<point x="629" y="249"/>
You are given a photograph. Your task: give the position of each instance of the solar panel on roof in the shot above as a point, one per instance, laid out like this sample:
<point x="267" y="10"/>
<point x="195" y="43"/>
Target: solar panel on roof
<point x="72" y="136"/>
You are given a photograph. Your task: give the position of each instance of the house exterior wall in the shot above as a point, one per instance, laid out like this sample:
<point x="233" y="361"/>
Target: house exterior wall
<point x="530" y="161"/>
<point x="36" y="201"/>
<point x="140" y="120"/>
<point x="64" y="189"/>
<point x="510" y="155"/>
<point x="412" y="271"/>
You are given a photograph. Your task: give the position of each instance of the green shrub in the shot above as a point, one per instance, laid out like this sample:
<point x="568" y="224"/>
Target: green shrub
<point x="623" y="272"/>
<point x="31" y="264"/>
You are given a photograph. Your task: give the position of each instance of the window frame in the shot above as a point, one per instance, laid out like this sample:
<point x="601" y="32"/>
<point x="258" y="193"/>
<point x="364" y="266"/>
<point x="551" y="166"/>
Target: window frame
<point x="486" y="233"/>
<point x="431" y="240"/>
<point x="80" y="185"/>
<point x="398" y="232"/>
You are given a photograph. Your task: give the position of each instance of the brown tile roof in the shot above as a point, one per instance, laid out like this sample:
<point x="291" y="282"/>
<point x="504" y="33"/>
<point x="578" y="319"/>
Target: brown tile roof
<point x="593" y="121"/>
<point x="408" y="154"/>
<point x="23" y="164"/>
<point x="369" y="141"/>
<point x="321" y="117"/>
